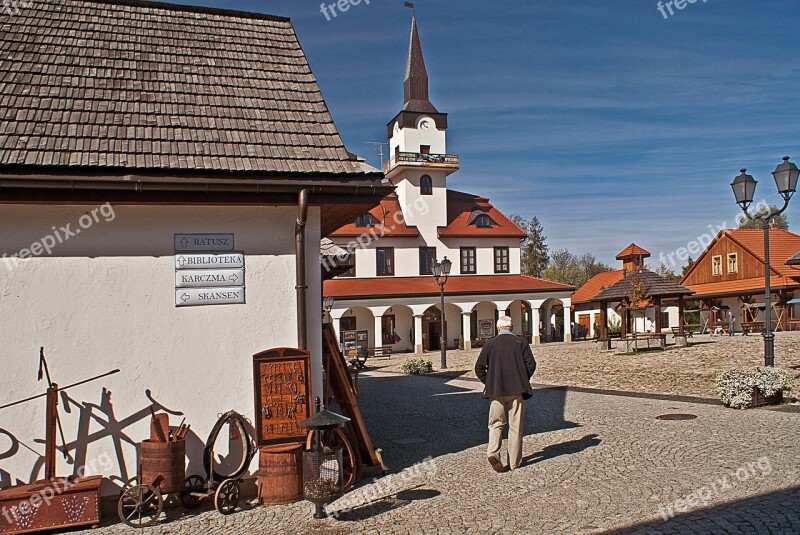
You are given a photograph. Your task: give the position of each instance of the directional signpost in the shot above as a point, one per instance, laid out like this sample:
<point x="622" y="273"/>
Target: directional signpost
<point x="205" y="274"/>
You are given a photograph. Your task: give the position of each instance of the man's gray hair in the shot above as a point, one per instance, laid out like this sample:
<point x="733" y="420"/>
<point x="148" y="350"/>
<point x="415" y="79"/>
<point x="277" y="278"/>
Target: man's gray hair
<point x="504" y="323"/>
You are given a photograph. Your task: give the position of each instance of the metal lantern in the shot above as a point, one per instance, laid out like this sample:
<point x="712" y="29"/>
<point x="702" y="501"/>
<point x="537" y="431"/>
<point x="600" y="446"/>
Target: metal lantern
<point x="786" y="175"/>
<point x="323" y="467"/>
<point x="744" y="188"/>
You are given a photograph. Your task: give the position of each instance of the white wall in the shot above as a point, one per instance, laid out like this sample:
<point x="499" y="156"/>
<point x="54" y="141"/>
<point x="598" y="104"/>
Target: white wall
<point x="410" y="139"/>
<point x="105" y="299"/>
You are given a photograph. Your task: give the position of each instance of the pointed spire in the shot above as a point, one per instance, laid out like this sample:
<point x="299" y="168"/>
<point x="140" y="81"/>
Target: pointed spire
<point x="415" y="85"/>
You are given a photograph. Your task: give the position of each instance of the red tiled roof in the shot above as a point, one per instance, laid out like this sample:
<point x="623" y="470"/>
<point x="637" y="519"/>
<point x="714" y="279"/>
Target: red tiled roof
<point x="391" y="222"/>
<point x="375" y="288"/>
<point x="782" y="246"/>
<point x="595" y="285"/>
<point x="461" y="205"/>
<point x="633" y="250"/>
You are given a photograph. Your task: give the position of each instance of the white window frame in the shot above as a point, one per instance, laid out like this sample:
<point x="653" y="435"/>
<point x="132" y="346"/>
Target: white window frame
<point x="714" y="265"/>
<point x="735" y="257"/>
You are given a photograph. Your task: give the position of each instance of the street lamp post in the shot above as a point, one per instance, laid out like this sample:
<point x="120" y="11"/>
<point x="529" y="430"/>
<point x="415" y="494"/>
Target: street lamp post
<point x="327" y="306"/>
<point x="441" y="270"/>
<point x="744" y="187"/>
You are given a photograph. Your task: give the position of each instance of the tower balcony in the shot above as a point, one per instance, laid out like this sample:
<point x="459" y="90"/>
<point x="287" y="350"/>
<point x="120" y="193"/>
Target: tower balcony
<point x="418" y="159"/>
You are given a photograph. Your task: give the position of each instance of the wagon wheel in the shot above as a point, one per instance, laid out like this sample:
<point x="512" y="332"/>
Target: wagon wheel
<point x="351" y="458"/>
<point x="130" y="483"/>
<point x="140" y="506"/>
<point x="193" y="483"/>
<point x="227" y="497"/>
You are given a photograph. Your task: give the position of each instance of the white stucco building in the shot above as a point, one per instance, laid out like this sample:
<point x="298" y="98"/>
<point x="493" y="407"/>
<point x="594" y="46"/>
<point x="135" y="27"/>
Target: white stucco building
<point x="391" y="289"/>
<point x="118" y="174"/>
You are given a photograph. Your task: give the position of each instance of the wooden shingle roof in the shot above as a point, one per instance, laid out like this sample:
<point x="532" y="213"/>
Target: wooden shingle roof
<point x="654" y="285"/>
<point x="137" y="86"/>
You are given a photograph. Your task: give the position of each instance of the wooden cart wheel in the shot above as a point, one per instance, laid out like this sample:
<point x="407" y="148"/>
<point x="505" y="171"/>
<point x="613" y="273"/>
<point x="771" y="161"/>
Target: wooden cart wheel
<point x="140" y="506"/>
<point x="227" y="497"/>
<point x="132" y="482"/>
<point x="193" y="483"/>
<point x="351" y="457"/>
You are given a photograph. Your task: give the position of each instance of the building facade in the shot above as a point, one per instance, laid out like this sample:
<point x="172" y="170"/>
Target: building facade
<point x="729" y="277"/>
<point x="391" y="297"/>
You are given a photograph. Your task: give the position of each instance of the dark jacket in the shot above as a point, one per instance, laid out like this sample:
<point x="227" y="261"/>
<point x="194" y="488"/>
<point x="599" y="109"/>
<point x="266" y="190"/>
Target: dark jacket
<point x="505" y="366"/>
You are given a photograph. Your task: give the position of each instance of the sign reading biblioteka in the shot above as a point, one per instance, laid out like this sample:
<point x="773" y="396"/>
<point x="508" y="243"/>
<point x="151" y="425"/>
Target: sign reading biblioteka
<point x="204" y="273"/>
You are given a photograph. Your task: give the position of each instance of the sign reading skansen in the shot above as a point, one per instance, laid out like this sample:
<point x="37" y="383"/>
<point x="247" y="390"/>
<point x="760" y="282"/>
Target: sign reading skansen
<point x="204" y="275"/>
<point x="208" y="296"/>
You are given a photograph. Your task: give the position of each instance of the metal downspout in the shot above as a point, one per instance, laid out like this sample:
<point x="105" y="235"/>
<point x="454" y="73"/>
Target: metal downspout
<point x="300" y="262"/>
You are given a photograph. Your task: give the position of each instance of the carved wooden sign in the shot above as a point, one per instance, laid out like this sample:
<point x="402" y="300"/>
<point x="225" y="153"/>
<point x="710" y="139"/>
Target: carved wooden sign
<point x="281" y="379"/>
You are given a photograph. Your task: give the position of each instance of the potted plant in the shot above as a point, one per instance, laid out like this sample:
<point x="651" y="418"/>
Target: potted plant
<point x="743" y="388"/>
<point x="416" y="366"/>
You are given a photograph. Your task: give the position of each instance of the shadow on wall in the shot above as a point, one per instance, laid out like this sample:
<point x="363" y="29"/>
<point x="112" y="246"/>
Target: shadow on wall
<point x="99" y="422"/>
<point x="434" y="418"/>
<point x="95" y="422"/>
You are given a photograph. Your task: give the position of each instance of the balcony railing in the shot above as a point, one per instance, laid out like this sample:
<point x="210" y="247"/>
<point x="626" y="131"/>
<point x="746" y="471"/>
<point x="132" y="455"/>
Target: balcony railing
<point x="417" y="158"/>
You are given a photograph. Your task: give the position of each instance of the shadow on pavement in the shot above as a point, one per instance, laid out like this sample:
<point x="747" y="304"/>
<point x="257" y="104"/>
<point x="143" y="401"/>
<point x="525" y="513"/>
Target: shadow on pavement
<point x="774" y="512"/>
<point x="387" y="503"/>
<point x="430" y="417"/>
<point x="564" y="448"/>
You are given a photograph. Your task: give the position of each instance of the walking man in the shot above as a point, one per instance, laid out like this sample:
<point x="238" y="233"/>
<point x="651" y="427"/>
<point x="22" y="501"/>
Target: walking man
<point x="731" y="321"/>
<point x="505" y="366"/>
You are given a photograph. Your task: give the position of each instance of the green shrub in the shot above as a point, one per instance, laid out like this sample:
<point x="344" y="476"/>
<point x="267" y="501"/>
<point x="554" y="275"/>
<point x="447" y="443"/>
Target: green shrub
<point x="416" y="366"/>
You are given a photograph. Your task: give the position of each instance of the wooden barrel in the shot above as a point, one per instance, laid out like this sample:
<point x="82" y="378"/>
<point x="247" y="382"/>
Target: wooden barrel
<point x="166" y="459"/>
<point x="280" y="474"/>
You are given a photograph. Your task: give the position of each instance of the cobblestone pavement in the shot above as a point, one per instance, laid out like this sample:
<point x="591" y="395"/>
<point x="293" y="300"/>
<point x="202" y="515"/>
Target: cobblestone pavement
<point x="594" y="464"/>
<point x="687" y="371"/>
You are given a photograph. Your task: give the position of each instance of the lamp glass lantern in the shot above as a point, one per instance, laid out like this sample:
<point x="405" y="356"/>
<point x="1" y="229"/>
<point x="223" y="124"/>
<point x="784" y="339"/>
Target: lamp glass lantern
<point x="447" y="264"/>
<point x="744" y="189"/>
<point x="327" y="304"/>
<point x="786" y="175"/>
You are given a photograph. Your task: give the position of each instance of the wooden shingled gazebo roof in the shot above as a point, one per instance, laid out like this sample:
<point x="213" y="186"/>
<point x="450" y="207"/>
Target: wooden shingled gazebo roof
<point x="655" y="286"/>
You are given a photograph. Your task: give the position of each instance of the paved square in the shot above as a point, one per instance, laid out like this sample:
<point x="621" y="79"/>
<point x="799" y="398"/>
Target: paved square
<point x="594" y="464"/>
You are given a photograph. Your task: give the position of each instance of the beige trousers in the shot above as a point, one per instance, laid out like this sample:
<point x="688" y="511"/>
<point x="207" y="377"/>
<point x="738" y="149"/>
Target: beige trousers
<point x="515" y="407"/>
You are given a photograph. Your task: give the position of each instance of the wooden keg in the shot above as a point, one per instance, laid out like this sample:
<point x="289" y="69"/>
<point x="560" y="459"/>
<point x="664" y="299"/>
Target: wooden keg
<point x="280" y="474"/>
<point x="167" y="459"/>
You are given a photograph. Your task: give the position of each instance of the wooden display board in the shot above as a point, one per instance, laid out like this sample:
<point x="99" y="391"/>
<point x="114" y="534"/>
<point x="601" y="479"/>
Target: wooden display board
<point x="282" y="384"/>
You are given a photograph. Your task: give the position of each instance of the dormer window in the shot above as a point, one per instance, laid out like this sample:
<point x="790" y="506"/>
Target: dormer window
<point x="425" y="185"/>
<point x="365" y="220"/>
<point x="480" y="219"/>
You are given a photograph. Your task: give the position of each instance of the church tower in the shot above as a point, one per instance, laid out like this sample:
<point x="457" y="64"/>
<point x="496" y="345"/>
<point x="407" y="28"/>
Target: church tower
<point x="419" y="163"/>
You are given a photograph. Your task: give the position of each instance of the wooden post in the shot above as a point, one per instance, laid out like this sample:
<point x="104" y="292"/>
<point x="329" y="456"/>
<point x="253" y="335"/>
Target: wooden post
<point x="681" y="315"/>
<point x="657" y="304"/>
<point x="624" y="327"/>
<point x="51" y="421"/>
<point x="604" y="336"/>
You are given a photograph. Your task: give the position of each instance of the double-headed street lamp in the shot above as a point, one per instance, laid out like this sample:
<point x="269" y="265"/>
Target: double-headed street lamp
<point x="744" y="188"/>
<point x="441" y="270"/>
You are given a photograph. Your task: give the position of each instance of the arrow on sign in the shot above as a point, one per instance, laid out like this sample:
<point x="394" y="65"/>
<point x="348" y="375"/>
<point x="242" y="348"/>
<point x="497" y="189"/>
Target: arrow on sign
<point x="185" y="297"/>
<point x="181" y="261"/>
<point x="184" y="242"/>
<point x="234" y="278"/>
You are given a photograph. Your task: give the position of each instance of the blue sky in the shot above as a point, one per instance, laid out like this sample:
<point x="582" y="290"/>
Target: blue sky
<point x="609" y="122"/>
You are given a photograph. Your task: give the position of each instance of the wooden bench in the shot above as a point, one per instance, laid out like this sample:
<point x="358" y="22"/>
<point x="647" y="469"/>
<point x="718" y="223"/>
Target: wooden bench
<point x="380" y="352"/>
<point x="637" y="341"/>
<point x="358" y="358"/>
<point x="676" y="332"/>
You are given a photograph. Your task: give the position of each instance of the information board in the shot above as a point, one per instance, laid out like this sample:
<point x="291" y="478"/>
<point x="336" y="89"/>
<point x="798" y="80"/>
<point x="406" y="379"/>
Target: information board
<point x="282" y="395"/>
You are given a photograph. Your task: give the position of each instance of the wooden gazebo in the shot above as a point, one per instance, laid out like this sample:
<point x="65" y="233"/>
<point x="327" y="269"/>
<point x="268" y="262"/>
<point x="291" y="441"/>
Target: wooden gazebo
<point x="641" y="288"/>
